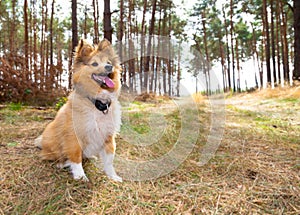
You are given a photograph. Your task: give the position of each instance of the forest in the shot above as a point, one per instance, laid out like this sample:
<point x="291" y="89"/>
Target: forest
<point x="210" y="102"/>
<point x="38" y="39"/>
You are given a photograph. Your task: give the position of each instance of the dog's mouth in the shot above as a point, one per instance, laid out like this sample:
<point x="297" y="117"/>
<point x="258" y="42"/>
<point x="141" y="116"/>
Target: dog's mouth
<point x="103" y="80"/>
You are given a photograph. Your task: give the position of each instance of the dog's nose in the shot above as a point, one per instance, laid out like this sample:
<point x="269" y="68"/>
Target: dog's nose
<point x="108" y="67"/>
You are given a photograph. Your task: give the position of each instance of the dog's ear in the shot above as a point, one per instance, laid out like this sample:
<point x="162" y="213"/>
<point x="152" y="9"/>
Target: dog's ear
<point x="103" y="44"/>
<point x="82" y="51"/>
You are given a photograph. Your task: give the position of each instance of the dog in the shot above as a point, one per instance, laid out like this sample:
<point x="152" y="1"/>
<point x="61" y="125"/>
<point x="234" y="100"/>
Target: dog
<point x="87" y="124"/>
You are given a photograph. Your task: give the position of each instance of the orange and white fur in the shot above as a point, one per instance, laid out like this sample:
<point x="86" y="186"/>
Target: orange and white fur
<point x="87" y="124"/>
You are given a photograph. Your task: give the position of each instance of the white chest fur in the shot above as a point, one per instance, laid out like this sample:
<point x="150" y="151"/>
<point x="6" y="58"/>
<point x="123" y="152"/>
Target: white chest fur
<point x="99" y="126"/>
<point x="93" y="127"/>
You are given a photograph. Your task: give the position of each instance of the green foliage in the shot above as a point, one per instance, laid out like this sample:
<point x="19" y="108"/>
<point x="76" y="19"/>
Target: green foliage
<point x="12" y="144"/>
<point x="289" y="100"/>
<point x="15" y="106"/>
<point x="61" y="102"/>
<point x="28" y="91"/>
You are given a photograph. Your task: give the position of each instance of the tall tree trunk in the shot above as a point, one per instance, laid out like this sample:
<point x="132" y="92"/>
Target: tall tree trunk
<point x="30" y="42"/>
<point x="85" y="22"/>
<point x="52" y="68"/>
<point x="143" y="33"/>
<point x="121" y="23"/>
<point x="256" y="55"/>
<point x="228" y="51"/>
<point x="170" y="61"/>
<point x="74" y="25"/>
<point x="273" y="75"/>
<point x="221" y="49"/>
<point x="131" y="61"/>
<point x="143" y="19"/>
<point x="26" y="42"/>
<point x="34" y="24"/>
<point x="96" y="23"/>
<point x="285" y="46"/>
<point x="147" y="62"/>
<point x="12" y="32"/>
<point x="232" y="45"/>
<point x="267" y="39"/>
<point x="238" y="64"/>
<point x="207" y="63"/>
<point x="59" y="62"/>
<point x="297" y="40"/>
<point x="120" y="38"/>
<point x="74" y="37"/>
<point x="164" y="61"/>
<point x="278" y="41"/>
<point x="107" y="21"/>
<point x="46" y="72"/>
<point x="178" y="72"/>
<point x="157" y="85"/>
<point x="51" y="33"/>
<point x="152" y="73"/>
<point x="42" y="45"/>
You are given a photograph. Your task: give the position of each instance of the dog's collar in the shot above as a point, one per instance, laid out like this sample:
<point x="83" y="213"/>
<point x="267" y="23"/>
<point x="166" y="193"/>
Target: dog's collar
<point x="102" y="106"/>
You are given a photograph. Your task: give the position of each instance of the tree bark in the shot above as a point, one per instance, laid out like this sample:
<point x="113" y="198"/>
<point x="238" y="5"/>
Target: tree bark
<point x="297" y="40"/>
<point x="107" y="21"/>
<point x="51" y="33"/>
<point x="273" y="45"/>
<point x="26" y="42"/>
<point x="147" y="62"/>
<point x="143" y="33"/>
<point x="74" y="37"/>
<point x="34" y="24"/>
<point x="267" y="39"/>
<point x="278" y="22"/>
<point x="285" y="46"/>
<point x="228" y="52"/>
<point x="121" y="22"/>
<point x="207" y="63"/>
<point x="12" y="31"/>
<point x="52" y="68"/>
<point x="74" y="25"/>
<point x="96" y="24"/>
<point x="238" y="65"/>
<point x="232" y="45"/>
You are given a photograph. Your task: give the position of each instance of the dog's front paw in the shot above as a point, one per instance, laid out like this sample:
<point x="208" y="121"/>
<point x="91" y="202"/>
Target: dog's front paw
<point x="80" y="177"/>
<point x="77" y="171"/>
<point x="111" y="173"/>
<point x="115" y="178"/>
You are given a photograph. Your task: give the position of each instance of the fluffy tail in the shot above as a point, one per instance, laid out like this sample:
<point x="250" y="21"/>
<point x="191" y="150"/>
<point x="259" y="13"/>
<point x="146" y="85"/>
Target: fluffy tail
<point x="38" y="142"/>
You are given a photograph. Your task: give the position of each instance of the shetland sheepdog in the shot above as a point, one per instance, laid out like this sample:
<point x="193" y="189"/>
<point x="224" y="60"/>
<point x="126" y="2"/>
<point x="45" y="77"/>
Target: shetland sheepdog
<point x="86" y="125"/>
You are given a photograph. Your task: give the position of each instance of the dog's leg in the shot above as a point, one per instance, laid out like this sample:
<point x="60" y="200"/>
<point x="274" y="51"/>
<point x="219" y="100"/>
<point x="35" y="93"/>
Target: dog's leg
<point x="38" y="142"/>
<point x="77" y="171"/>
<point x="74" y="155"/>
<point x="107" y="154"/>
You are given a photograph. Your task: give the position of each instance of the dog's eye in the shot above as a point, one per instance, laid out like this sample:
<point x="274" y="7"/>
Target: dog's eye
<point x="95" y="64"/>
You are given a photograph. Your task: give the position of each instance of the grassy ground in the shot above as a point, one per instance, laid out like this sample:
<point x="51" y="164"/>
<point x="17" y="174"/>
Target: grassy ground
<point x="256" y="169"/>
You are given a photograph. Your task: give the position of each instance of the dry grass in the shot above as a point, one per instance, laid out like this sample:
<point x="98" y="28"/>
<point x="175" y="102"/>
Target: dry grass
<point x="198" y="97"/>
<point x="256" y="169"/>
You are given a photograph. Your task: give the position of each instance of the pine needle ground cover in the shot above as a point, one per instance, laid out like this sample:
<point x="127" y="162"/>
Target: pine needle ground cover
<point x="256" y="169"/>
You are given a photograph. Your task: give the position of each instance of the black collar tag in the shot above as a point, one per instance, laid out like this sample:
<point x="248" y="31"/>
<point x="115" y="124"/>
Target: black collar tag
<point x="102" y="106"/>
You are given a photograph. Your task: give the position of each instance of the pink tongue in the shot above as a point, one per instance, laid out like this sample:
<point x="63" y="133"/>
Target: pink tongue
<point x="109" y="82"/>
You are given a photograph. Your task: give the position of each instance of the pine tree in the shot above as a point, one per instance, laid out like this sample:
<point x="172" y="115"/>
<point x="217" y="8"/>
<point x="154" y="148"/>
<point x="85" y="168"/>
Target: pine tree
<point x="297" y="39"/>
